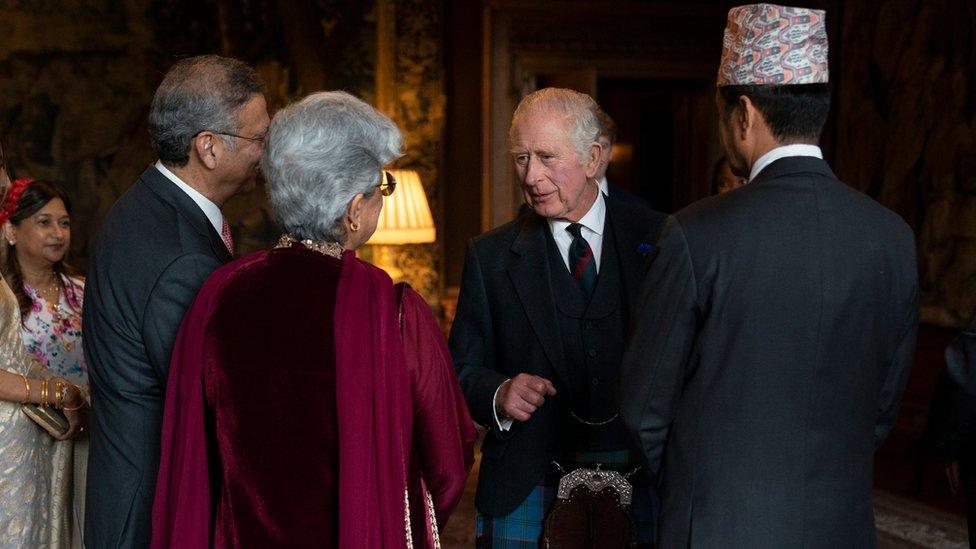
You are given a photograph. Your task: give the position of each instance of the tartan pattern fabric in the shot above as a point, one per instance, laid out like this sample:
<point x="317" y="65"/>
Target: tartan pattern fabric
<point x="581" y="260"/>
<point x="523" y="527"/>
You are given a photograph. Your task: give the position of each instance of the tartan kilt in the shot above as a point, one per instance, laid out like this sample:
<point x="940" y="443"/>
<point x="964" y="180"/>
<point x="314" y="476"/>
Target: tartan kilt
<point x="523" y="528"/>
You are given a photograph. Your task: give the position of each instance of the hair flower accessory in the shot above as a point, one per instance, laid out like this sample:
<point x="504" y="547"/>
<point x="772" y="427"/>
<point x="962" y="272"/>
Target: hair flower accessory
<point x="10" y="202"/>
<point x="644" y="248"/>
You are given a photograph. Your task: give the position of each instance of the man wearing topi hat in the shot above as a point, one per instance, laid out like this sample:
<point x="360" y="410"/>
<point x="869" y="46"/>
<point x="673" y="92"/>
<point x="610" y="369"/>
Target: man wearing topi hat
<point x="776" y="324"/>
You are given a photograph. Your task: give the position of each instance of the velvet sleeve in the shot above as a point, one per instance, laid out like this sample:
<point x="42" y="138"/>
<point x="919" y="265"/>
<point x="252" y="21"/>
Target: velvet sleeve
<point x="443" y="432"/>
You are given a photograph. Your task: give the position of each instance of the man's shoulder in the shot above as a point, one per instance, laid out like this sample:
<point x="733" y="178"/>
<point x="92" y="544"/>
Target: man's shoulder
<point x="143" y="224"/>
<point x="502" y="237"/>
<point x="635" y="219"/>
<point x="639" y="213"/>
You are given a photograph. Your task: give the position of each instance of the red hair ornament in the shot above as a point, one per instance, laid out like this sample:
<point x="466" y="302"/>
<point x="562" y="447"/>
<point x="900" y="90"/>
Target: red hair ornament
<point x="10" y="202"/>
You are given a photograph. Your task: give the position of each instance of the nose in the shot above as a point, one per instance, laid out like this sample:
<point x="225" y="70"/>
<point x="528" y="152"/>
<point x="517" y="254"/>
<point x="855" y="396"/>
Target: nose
<point x="533" y="170"/>
<point x="58" y="231"/>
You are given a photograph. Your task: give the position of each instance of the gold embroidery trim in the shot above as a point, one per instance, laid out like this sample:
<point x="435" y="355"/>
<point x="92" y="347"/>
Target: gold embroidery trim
<point x="331" y="249"/>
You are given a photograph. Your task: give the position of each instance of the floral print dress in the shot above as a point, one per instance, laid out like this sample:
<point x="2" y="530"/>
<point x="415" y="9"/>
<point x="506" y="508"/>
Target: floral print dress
<point x="52" y="335"/>
<point x="52" y="331"/>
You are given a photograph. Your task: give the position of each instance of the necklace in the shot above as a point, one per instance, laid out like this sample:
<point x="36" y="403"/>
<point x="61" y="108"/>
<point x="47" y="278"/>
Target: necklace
<point x="57" y="314"/>
<point x="331" y="249"/>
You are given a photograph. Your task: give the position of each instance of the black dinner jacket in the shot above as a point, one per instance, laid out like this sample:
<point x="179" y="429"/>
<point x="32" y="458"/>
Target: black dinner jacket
<point x="773" y="339"/>
<point x="155" y="249"/>
<point x="506" y="324"/>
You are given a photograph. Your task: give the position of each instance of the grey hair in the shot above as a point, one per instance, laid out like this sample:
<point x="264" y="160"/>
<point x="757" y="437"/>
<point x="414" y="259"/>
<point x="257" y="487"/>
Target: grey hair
<point x="608" y="128"/>
<point x="198" y="93"/>
<point x="579" y="110"/>
<point x="321" y="152"/>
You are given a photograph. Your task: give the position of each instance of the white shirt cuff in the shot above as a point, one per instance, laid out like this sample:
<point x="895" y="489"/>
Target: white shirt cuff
<point x="503" y="424"/>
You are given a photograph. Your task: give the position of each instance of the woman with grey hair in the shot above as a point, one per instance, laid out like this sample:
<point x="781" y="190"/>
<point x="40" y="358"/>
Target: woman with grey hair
<point x="329" y="413"/>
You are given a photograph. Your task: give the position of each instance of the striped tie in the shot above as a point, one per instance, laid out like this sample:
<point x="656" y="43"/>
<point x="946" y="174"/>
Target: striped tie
<point x="227" y="237"/>
<point x="581" y="262"/>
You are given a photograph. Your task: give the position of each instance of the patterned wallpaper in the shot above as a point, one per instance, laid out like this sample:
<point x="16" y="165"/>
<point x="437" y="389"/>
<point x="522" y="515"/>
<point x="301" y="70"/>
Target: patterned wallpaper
<point x="79" y="76"/>
<point x="906" y="134"/>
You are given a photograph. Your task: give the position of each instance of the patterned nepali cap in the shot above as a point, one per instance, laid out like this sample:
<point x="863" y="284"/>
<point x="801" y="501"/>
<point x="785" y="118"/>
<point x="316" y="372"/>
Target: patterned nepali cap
<point x="772" y="45"/>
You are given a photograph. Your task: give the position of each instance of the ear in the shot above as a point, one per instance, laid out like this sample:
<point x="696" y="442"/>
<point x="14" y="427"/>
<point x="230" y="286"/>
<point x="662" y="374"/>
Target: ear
<point x="355" y="209"/>
<point x="743" y="118"/>
<point x="9" y="231"/>
<point x="593" y="160"/>
<point x="205" y="146"/>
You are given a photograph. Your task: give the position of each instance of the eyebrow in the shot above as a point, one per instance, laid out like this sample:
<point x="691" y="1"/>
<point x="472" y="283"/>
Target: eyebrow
<point x="536" y="152"/>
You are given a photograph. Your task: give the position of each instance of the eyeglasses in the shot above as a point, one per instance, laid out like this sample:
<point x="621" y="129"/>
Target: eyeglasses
<point x="388" y="183"/>
<point x="258" y="139"/>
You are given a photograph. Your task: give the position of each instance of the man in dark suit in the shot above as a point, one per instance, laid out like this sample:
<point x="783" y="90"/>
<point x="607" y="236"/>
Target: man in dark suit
<point x="607" y="139"/>
<point x="776" y="324"/>
<point x="541" y="318"/>
<point x="157" y="245"/>
<point x="950" y="431"/>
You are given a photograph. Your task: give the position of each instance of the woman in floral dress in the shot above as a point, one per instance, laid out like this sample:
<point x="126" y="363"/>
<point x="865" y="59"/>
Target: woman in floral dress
<point x="49" y="299"/>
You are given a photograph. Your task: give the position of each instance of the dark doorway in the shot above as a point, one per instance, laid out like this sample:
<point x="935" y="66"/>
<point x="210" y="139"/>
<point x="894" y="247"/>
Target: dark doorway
<point x="667" y="138"/>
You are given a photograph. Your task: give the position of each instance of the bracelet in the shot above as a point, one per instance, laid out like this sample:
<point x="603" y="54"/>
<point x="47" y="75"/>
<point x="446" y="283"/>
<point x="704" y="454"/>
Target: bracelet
<point x="43" y="402"/>
<point x="58" y="394"/>
<point x="27" y="387"/>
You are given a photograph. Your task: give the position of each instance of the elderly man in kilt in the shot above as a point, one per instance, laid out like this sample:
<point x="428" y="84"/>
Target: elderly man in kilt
<point x="539" y="334"/>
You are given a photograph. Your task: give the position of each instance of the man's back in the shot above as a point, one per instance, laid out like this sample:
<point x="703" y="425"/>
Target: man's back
<point x="804" y="294"/>
<point x="150" y="258"/>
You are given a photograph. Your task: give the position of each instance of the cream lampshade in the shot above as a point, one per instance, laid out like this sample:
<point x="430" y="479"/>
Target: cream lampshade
<point x="405" y="219"/>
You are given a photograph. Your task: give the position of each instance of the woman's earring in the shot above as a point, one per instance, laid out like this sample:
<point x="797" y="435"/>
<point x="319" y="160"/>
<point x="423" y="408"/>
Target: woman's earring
<point x="12" y="243"/>
<point x="354" y="226"/>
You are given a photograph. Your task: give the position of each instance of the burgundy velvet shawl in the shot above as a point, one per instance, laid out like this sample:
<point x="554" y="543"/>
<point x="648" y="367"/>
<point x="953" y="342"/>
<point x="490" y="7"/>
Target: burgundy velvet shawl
<point x="372" y="416"/>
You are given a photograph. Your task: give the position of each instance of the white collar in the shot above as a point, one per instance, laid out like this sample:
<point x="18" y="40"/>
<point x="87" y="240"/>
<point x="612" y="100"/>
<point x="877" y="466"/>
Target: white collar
<point x="211" y="210"/>
<point x="592" y="220"/>
<point x="798" y="149"/>
<point x="604" y="186"/>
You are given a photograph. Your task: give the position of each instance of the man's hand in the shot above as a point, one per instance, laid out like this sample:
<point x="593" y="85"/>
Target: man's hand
<point x="518" y="398"/>
<point x="75" y="411"/>
<point x="77" y="422"/>
<point x="952" y="475"/>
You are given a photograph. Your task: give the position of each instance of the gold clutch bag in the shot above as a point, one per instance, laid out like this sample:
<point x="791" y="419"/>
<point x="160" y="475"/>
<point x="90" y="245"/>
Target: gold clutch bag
<point x="51" y="420"/>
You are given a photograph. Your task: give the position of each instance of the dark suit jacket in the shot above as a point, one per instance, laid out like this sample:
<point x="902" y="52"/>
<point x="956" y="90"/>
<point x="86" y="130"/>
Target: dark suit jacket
<point x="506" y="324"/>
<point x="774" y="337"/>
<point x="155" y="249"/>
<point x="951" y="427"/>
<point x="624" y="196"/>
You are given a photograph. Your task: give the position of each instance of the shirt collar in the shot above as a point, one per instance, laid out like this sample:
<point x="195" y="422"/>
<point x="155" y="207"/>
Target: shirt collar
<point x="211" y="210"/>
<point x="798" y="149"/>
<point x="592" y="220"/>
<point x="605" y="186"/>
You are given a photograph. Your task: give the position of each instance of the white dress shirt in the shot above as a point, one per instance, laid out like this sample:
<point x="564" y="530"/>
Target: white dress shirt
<point x="592" y="232"/>
<point x="604" y="186"/>
<point x="211" y="210"/>
<point x="798" y="149"/>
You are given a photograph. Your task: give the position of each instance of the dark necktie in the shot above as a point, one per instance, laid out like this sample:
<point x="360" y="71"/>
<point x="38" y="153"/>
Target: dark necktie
<point x="581" y="263"/>
<point x="227" y="237"/>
